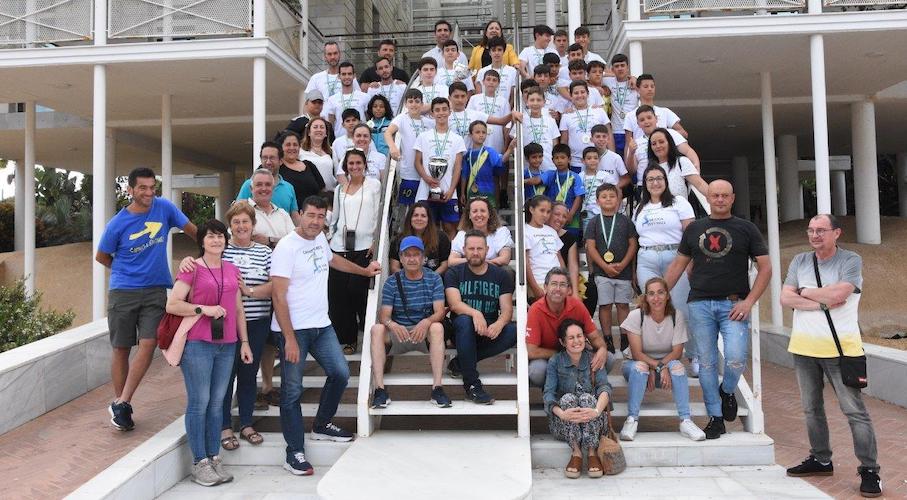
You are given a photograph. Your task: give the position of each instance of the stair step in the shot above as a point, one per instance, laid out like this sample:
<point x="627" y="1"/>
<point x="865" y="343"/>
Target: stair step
<point x="272" y="451"/>
<point x="308" y="409"/>
<point x="669" y="449"/>
<point x="508" y="407"/>
<point x="398" y="379"/>
<point x="697" y="409"/>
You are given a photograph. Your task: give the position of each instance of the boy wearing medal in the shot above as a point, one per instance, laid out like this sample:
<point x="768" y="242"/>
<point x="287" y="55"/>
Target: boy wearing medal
<point x="449" y="72"/>
<point x="608" y="161"/>
<point x="611" y="245"/>
<point x="507" y="74"/>
<point x="428" y="69"/>
<point x="494" y="104"/>
<point x="593" y="177"/>
<point x="624" y="98"/>
<point x="409" y="125"/>
<point x="349" y="97"/>
<point x="440" y="147"/>
<point x="535" y="178"/>
<point x="461" y="117"/>
<point x="576" y="127"/>
<point x="482" y="167"/>
<point x="567" y="187"/>
<point x="538" y="127"/>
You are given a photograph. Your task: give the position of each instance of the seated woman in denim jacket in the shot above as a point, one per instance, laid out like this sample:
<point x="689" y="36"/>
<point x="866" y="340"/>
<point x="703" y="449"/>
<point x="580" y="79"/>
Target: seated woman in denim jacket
<point x="574" y="403"/>
<point x="657" y="333"/>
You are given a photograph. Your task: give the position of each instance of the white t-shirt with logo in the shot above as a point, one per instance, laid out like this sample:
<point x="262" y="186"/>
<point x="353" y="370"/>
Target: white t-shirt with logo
<point x="436" y="54"/>
<point x="676" y="182"/>
<point x="374" y="165"/>
<point x="658" y="225"/>
<point x="446" y="77"/>
<point x="555" y="101"/>
<point x="394" y="93"/>
<point x="429" y="92"/>
<point x="305" y="263"/>
<point x="542" y="131"/>
<point x="624" y="99"/>
<point x="591" y="183"/>
<point x="339" y="102"/>
<point x="532" y="56"/>
<point x="459" y="122"/>
<point x="642" y="152"/>
<point x="493" y="106"/>
<point x="612" y="165"/>
<point x="327" y="84"/>
<point x="578" y="125"/>
<point x="663" y="116"/>
<point x="544" y="245"/>
<point x="409" y="129"/>
<point x="447" y="145"/>
<point x="508" y="78"/>
<point x="497" y="241"/>
<point x="340" y="146"/>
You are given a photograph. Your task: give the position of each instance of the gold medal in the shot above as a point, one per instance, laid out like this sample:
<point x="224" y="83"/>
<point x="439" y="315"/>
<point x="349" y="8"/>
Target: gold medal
<point x="608" y="256"/>
<point x="475" y="188"/>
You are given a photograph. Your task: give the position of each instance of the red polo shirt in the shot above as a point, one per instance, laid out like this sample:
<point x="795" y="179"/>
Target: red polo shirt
<point x="541" y="324"/>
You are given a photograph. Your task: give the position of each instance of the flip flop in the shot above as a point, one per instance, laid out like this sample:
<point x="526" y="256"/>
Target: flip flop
<point x="254" y="438"/>
<point x="229" y="443"/>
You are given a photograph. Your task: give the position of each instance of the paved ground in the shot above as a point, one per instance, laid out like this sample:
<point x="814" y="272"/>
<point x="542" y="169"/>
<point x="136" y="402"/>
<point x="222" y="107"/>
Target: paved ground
<point x="52" y="455"/>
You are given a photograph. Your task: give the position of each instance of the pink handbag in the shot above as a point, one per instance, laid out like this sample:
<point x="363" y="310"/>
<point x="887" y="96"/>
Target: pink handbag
<point x="174" y="353"/>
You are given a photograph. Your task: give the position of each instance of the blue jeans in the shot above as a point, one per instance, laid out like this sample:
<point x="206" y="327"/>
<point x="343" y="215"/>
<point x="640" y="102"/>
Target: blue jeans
<point x="471" y="348"/>
<point x="206" y="371"/>
<point x="323" y="345"/>
<point x="655" y="263"/>
<point x="707" y="318"/>
<point x="244" y="374"/>
<point x="637" y="381"/>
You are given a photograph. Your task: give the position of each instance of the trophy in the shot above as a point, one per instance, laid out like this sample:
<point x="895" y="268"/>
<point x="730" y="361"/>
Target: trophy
<point x="461" y="71"/>
<point x="437" y="167"/>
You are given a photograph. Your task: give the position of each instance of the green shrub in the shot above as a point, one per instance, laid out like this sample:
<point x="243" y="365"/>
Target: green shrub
<point x="23" y="321"/>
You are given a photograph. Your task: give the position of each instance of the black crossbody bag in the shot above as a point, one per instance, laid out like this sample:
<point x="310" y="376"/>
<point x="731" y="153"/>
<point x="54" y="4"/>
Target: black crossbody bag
<point x="853" y="368"/>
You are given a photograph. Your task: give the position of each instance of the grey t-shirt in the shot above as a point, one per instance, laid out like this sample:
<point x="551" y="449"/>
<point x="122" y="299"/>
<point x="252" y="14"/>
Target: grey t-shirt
<point x="657" y="338"/>
<point x="843" y="266"/>
<point x="620" y="241"/>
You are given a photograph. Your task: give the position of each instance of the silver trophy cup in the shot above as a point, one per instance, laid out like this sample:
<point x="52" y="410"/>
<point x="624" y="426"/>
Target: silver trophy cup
<point x="437" y="167"/>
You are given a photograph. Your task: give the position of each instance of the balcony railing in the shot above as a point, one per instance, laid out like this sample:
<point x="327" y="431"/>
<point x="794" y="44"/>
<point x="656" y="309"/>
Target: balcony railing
<point x="692" y="6"/>
<point x="178" y="18"/>
<point x="32" y="22"/>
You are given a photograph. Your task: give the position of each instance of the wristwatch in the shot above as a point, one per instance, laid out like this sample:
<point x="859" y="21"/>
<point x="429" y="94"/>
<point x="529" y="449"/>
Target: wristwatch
<point x="198" y="310"/>
<point x="659" y="367"/>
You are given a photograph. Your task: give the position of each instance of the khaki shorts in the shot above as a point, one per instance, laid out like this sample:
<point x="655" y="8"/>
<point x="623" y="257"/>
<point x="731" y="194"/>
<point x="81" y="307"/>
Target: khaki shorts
<point x="397" y="347"/>
<point x="134" y="314"/>
<point x="613" y="291"/>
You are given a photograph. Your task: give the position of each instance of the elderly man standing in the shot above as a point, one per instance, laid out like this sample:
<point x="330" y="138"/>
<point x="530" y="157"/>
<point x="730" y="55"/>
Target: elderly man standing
<point x="721" y="247"/>
<point x="412" y="307"/>
<point x="823" y="289"/>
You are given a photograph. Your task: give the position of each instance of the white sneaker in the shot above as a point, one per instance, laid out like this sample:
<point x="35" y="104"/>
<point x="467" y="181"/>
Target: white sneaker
<point x="694" y="367"/>
<point x="218" y="464"/>
<point x="628" y="431"/>
<point x="626" y="353"/>
<point x="204" y="474"/>
<point x="689" y="429"/>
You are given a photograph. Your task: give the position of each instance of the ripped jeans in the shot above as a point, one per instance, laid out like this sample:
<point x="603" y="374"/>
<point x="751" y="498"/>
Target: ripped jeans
<point x="636" y="373"/>
<point x="707" y="318"/>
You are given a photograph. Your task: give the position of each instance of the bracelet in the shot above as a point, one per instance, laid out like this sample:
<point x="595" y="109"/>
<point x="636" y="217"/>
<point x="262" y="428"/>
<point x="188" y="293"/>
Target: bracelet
<point x="244" y="341"/>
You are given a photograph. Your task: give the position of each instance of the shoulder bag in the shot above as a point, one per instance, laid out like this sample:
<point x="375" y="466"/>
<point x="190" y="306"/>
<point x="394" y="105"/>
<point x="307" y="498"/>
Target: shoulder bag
<point x="609" y="450"/>
<point x="853" y="368"/>
<point x="169" y="323"/>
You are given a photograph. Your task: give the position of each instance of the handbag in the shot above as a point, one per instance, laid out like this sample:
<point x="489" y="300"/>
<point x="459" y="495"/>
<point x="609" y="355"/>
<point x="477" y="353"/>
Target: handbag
<point x="853" y="368"/>
<point x="169" y="323"/>
<point x="610" y="452"/>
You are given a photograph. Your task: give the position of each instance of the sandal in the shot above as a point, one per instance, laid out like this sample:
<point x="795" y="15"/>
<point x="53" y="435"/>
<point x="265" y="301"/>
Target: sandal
<point x="349" y="349"/>
<point x="595" y="466"/>
<point x="229" y="443"/>
<point x="574" y="466"/>
<point x="254" y="438"/>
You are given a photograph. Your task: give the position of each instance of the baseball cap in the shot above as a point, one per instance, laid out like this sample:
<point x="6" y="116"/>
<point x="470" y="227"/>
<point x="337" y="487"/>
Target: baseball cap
<point x="314" y="95"/>
<point x="411" y="242"/>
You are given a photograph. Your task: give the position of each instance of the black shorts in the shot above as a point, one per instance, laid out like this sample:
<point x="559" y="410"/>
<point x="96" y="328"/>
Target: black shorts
<point x="134" y="314"/>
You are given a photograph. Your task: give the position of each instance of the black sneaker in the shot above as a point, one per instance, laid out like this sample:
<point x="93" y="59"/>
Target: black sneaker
<point x="870" y="483"/>
<point x="439" y="398"/>
<point x="728" y="405"/>
<point x="453" y="368"/>
<point x="380" y="399"/>
<point x="477" y="394"/>
<point x="811" y="467"/>
<point x="121" y="416"/>
<point x="715" y="428"/>
<point x="297" y="465"/>
<point x="330" y="432"/>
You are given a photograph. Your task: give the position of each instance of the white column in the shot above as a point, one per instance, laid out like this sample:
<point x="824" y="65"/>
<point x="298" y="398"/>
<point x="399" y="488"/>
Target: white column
<point x="28" y="195"/>
<point x="99" y="181"/>
<point x="636" y="63"/>
<point x="100" y="22"/>
<point x="791" y="194"/>
<point x="820" y="122"/>
<point x="902" y="183"/>
<point x="259" y="19"/>
<point x="19" y="243"/>
<point x="615" y="18"/>
<point x="111" y="154"/>
<point x="865" y="172"/>
<point x="530" y="7"/>
<point x="574" y="17"/>
<point x="304" y="34"/>
<point x="740" y="172"/>
<point x="633" y="10"/>
<point x="166" y="146"/>
<point x="258" y="105"/>
<point x="771" y="198"/>
<point x="550" y="14"/>
<point x="814" y="7"/>
<point x="838" y="193"/>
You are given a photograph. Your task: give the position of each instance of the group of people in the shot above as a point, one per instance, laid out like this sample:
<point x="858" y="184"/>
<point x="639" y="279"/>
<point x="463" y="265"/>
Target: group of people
<point x="286" y="274"/>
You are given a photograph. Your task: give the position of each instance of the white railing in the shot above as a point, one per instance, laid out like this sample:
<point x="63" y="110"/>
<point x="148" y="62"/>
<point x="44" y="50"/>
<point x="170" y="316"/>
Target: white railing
<point x="691" y="6"/>
<point x="863" y="3"/>
<point x="28" y="22"/>
<point x="178" y="18"/>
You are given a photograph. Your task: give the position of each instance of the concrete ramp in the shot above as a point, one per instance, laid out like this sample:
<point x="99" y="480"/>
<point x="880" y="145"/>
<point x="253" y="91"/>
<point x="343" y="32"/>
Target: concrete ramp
<point x="432" y="464"/>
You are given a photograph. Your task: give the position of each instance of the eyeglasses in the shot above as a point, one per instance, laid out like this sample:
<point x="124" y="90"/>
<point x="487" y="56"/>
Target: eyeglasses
<point x="654" y="293"/>
<point x="820" y="232"/>
<point x="653" y="180"/>
<point x="557" y="284"/>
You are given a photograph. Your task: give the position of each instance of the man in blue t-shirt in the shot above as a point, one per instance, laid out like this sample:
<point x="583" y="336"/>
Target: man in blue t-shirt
<point x="480" y="296"/>
<point x="412" y="307"/>
<point x="134" y="247"/>
<point x="283" y="195"/>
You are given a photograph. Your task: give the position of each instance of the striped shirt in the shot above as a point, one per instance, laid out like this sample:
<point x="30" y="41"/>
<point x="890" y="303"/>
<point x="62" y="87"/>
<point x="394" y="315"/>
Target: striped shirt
<point x="420" y="297"/>
<point x="254" y="263"/>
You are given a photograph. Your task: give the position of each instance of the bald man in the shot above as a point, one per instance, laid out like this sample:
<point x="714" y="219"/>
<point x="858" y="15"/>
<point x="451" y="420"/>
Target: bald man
<point x="720" y="300"/>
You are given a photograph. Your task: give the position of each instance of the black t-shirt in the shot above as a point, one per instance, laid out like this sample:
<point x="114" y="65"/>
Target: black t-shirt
<point x="305" y="183"/>
<point x="721" y="250"/>
<point x="370" y="75"/>
<point x="433" y="260"/>
<point x="568" y="239"/>
<point x="481" y="293"/>
<point x="620" y="241"/>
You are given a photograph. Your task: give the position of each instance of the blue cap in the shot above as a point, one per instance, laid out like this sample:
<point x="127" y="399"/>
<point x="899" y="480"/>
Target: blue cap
<point x="411" y="242"/>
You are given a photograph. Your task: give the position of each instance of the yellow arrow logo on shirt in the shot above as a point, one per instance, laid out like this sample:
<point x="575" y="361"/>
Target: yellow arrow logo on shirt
<point x="151" y="229"/>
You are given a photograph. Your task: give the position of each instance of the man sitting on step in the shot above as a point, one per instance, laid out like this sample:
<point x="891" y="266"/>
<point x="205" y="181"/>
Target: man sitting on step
<point x="481" y="304"/>
<point x="412" y="307"/>
<point x="542" y="322"/>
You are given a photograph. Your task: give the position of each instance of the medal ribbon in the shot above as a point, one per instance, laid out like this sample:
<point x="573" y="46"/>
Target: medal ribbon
<point x="583" y="122"/>
<point x="440" y="145"/>
<point x="563" y="190"/>
<point x="475" y="167"/>
<point x="608" y="238"/>
<point x="537" y="130"/>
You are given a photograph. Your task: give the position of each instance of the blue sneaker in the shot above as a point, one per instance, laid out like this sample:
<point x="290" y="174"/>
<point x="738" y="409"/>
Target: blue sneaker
<point x="330" y="432"/>
<point x="121" y="416"/>
<point x="439" y="398"/>
<point x="297" y="464"/>
<point x="380" y="399"/>
<point x="477" y="394"/>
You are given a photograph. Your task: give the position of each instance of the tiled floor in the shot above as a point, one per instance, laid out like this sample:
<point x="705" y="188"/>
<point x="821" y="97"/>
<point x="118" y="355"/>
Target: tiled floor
<point x="52" y="455"/>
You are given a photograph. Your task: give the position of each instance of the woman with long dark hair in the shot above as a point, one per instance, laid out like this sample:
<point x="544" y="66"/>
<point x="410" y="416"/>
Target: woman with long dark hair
<point x="303" y="175"/>
<point x="419" y="222"/>
<point x="663" y="152"/>
<point x="316" y="148"/>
